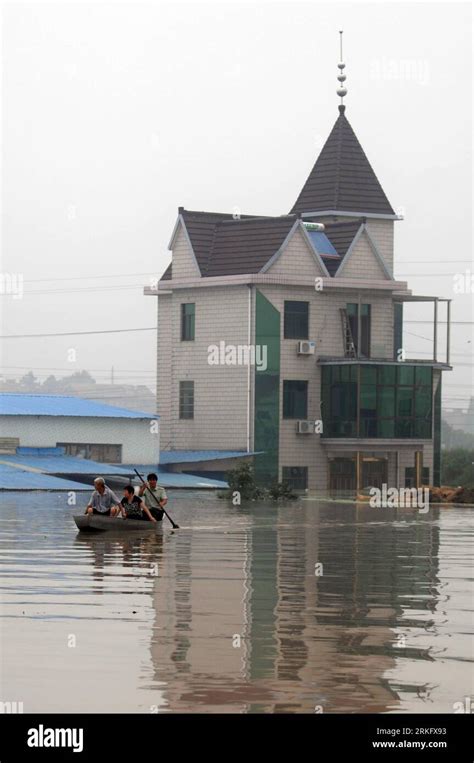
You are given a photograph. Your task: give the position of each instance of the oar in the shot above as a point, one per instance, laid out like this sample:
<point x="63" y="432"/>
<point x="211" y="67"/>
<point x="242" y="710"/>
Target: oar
<point x="175" y="526"/>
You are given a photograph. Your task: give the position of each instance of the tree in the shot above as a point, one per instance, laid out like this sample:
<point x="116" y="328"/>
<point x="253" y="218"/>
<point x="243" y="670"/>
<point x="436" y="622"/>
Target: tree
<point x="457" y="467"/>
<point x="242" y="481"/>
<point x="29" y="381"/>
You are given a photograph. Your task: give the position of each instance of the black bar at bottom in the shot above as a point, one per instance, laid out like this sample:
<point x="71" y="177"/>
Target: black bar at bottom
<point x="99" y="737"/>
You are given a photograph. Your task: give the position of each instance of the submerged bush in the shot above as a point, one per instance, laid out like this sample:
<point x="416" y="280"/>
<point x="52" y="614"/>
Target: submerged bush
<point x="242" y="480"/>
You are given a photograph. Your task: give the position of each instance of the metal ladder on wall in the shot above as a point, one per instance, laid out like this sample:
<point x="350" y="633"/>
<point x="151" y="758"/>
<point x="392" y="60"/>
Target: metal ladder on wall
<point x="347" y="338"/>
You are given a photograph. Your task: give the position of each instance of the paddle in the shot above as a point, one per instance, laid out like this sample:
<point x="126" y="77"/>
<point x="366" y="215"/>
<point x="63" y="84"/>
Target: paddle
<point x="175" y="526"/>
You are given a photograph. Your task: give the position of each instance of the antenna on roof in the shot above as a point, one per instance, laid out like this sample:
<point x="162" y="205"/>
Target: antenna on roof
<point x="341" y="91"/>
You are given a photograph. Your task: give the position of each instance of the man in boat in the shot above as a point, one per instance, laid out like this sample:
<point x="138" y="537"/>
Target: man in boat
<point x="103" y="500"/>
<point x="133" y="507"/>
<point x="154" y="496"/>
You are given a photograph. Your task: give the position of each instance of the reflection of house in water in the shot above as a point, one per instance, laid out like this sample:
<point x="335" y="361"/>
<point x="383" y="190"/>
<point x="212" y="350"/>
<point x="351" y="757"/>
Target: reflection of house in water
<point x="307" y="640"/>
<point x="198" y="612"/>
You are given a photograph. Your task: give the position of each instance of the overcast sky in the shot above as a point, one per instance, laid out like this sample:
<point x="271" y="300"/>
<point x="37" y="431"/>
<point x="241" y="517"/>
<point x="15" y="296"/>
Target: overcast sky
<point x="113" y="115"/>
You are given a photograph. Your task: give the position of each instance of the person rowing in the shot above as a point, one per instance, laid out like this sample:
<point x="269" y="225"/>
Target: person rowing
<point x="133" y="507"/>
<point x="154" y="496"/>
<point x="103" y="500"/>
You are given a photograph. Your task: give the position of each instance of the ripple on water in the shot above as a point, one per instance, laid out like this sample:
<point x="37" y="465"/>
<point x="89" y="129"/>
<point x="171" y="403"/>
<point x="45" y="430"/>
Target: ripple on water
<point x="244" y="609"/>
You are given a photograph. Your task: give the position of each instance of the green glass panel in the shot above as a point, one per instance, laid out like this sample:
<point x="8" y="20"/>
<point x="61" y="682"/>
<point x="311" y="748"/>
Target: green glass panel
<point x="368" y="426"/>
<point x="423" y="376"/>
<point x="325" y="374"/>
<point x="344" y="401"/>
<point x="423" y="402"/>
<point x="386" y="427"/>
<point x="325" y="406"/>
<point x="387" y="408"/>
<point x="352" y="308"/>
<point x="437" y="435"/>
<point x="368" y="374"/>
<point x="387" y="375"/>
<point x="422" y="428"/>
<point x="404" y="428"/>
<point x="267" y="391"/>
<point x="368" y="397"/>
<point x="386" y="401"/>
<point x="405" y="401"/>
<point x="345" y="373"/>
<point x="406" y="374"/>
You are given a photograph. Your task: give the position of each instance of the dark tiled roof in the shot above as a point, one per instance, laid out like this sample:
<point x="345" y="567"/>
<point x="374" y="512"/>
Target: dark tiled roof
<point x="332" y="263"/>
<point x="201" y="228"/>
<point x="245" y="246"/>
<point x="342" y="178"/>
<point x="229" y="246"/>
<point x="224" y="245"/>
<point x="341" y="235"/>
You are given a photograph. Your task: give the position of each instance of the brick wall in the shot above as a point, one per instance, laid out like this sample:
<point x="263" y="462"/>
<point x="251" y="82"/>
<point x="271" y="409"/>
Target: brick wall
<point x="362" y="262"/>
<point x="220" y="405"/>
<point x="297" y="258"/>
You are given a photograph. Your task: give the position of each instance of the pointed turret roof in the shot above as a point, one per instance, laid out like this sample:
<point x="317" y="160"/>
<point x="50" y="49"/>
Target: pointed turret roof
<point x="342" y="179"/>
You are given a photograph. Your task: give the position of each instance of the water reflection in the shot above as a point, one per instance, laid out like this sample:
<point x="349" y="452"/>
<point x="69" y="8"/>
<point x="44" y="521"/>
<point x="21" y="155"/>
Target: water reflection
<point x="303" y="608"/>
<point x="308" y="640"/>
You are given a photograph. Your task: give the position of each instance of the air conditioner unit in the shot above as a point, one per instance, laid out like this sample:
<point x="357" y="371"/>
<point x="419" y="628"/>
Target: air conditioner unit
<point x="306" y="347"/>
<point x="305" y="427"/>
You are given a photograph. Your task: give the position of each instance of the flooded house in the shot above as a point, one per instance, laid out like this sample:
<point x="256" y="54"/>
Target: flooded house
<point x="284" y="336"/>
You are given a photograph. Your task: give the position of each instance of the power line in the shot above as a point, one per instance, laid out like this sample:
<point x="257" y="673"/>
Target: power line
<point x="444" y="323"/>
<point x="76" y="333"/>
<point x="89" y="278"/>
<point x="152" y="272"/>
<point x="85" y="289"/>
<point x="88" y="370"/>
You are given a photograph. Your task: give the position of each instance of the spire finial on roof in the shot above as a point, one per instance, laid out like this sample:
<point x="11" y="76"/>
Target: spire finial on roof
<point x="341" y="91"/>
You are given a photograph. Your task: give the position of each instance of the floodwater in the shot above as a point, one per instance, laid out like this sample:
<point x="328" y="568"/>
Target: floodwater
<point x="306" y="607"/>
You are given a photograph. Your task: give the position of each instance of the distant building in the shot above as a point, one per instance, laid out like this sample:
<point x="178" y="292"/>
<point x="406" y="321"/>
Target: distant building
<point x="285" y="335"/>
<point x="83" y="428"/>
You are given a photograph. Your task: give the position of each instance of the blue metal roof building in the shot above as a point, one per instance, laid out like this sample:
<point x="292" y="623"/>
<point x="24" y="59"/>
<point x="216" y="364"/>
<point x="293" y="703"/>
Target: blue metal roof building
<point x="50" y="469"/>
<point x="54" y="461"/>
<point x="13" y="404"/>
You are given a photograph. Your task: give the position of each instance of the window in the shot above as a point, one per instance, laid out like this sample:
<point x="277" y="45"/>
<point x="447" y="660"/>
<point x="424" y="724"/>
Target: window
<point x="101" y="452"/>
<point x="352" y="314"/>
<point x="295" y="399"/>
<point x="296" y="477"/>
<point x="188" y="310"/>
<point x="393" y="401"/>
<point x="339" y="400"/>
<point x="296" y="323"/>
<point x="410" y="476"/>
<point x="186" y="400"/>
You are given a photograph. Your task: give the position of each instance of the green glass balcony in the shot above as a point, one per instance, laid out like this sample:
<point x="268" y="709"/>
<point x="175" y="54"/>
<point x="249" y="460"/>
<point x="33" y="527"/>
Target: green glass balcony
<point x="377" y="400"/>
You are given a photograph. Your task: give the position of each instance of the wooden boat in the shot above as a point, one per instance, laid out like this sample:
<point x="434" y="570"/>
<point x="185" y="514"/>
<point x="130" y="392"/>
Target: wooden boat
<point x="96" y="523"/>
